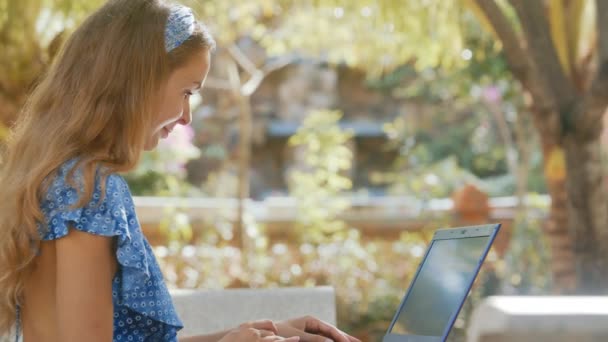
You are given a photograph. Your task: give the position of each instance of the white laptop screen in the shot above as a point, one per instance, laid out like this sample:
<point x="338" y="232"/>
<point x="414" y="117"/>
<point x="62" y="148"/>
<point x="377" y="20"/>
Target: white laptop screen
<point x="441" y="284"/>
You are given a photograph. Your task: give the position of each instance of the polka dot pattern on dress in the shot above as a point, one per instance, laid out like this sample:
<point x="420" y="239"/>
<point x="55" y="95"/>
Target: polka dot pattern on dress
<point x="143" y="309"/>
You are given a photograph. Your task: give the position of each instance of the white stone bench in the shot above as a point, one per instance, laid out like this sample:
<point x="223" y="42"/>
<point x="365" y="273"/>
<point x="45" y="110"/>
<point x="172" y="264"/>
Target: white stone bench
<point x="540" y="319"/>
<point x="205" y="311"/>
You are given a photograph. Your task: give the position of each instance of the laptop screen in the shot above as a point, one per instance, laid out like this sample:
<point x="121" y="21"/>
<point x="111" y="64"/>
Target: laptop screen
<point x="440" y="286"/>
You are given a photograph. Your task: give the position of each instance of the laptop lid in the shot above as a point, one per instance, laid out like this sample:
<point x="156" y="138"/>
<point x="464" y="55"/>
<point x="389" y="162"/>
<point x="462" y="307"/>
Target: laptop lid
<point x="441" y="284"/>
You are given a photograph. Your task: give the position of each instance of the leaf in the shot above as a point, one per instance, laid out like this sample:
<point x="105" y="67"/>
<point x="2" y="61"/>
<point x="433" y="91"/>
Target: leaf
<point x="3" y="132"/>
<point x="472" y="6"/>
<point x="574" y="13"/>
<point x="559" y="34"/>
<point x="555" y="167"/>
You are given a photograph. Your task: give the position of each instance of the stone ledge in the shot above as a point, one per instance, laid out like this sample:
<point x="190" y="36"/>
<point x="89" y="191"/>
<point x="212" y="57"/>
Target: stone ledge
<point x="205" y="311"/>
<point x="540" y="319"/>
<point x="150" y="209"/>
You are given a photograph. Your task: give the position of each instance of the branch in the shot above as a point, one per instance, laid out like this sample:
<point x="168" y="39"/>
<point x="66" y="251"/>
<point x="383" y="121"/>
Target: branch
<point x="254" y="81"/>
<point x="257" y="75"/>
<point x="524" y="69"/>
<point x="217" y="83"/>
<point x="242" y="59"/>
<point x="588" y="115"/>
<point x="233" y="76"/>
<point x="601" y="9"/>
<point x="256" y="78"/>
<point x="517" y="56"/>
<point x="505" y="134"/>
<point x="533" y="19"/>
<point x="279" y="63"/>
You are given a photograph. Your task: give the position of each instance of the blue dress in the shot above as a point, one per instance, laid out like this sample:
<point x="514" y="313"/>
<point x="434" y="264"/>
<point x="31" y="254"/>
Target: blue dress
<point x="143" y="309"/>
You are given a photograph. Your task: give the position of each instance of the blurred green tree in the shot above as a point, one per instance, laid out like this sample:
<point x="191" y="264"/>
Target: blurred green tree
<point x="557" y="50"/>
<point x="31" y="33"/>
<point x="316" y="184"/>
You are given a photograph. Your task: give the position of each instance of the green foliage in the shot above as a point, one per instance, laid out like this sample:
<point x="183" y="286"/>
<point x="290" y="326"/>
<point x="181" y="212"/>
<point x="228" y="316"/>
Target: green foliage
<point x="525" y="268"/>
<point x="456" y="58"/>
<point x="231" y="20"/>
<point x="434" y="180"/>
<point x="175" y="226"/>
<point x="27" y="27"/>
<point x="370" y="275"/>
<point x="320" y="143"/>
<point x="466" y="108"/>
<point x="377" y="36"/>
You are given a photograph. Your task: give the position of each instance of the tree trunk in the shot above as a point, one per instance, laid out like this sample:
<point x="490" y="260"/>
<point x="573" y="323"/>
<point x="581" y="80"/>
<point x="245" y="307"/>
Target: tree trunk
<point x="556" y="228"/>
<point x="588" y="213"/>
<point x="557" y="232"/>
<point x="568" y="120"/>
<point x="243" y="169"/>
<point x="576" y="229"/>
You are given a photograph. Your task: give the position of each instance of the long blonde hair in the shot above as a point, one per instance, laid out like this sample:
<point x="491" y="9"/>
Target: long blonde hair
<point x="95" y="103"/>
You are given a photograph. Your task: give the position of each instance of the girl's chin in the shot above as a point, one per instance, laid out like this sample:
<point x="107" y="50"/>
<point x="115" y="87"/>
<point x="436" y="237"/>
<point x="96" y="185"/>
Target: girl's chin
<point x="155" y="138"/>
<point x="151" y="143"/>
<point x="164" y="133"/>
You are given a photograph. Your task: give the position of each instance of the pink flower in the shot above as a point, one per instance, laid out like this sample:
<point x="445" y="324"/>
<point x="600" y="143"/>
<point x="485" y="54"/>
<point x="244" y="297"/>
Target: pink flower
<point x="491" y="94"/>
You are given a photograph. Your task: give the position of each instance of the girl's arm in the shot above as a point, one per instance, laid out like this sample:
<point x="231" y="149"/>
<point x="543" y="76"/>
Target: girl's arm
<point x="205" y="338"/>
<point x="86" y="264"/>
<point x="234" y="334"/>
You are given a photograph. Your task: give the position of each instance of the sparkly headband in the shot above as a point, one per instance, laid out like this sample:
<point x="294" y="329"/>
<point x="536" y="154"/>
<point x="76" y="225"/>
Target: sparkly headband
<point x="180" y="26"/>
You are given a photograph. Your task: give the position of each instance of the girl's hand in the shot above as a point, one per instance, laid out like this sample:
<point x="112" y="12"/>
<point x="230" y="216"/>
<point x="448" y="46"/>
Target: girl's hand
<point x="311" y="329"/>
<point x="257" y="331"/>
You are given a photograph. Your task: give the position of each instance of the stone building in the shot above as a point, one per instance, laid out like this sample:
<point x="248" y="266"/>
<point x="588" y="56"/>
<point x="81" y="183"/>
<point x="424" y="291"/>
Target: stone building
<point x="283" y="99"/>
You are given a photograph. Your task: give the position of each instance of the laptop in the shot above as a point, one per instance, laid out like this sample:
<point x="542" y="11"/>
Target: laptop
<point x="441" y="284"/>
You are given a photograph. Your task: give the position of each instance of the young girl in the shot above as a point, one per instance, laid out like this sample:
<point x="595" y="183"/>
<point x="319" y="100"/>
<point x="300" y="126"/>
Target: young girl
<point x="74" y="265"/>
